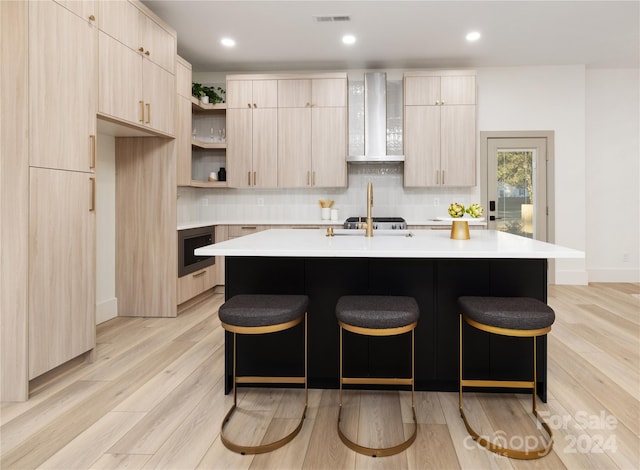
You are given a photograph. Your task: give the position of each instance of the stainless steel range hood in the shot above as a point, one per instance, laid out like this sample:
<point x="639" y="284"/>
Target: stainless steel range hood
<point x="375" y="122"/>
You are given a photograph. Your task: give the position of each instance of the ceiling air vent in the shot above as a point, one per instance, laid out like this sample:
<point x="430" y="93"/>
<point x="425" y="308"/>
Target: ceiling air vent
<point x="331" y="18"/>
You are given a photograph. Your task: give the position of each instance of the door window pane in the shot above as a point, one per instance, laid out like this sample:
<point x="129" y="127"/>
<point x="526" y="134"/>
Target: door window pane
<point x="516" y="189"/>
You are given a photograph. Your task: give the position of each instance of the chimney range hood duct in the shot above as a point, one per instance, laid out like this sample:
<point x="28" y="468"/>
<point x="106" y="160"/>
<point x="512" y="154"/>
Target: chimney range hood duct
<point x="375" y="122"/>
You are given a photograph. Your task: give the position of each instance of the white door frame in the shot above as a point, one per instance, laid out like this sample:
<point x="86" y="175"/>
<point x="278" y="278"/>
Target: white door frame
<point x="549" y="136"/>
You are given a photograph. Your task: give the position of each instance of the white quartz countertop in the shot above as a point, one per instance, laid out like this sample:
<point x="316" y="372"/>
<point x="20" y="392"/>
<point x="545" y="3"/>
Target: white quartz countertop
<point x="420" y="244"/>
<point x="435" y="222"/>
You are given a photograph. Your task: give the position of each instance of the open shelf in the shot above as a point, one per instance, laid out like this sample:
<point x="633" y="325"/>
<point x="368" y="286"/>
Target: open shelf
<point x="208" y="184"/>
<point x="199" y="107"/>
<point x="198" y="144"/>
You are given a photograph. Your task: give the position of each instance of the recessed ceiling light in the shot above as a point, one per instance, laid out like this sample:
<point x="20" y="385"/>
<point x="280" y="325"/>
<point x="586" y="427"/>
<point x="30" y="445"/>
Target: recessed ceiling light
<point x="348" y="39"/>
<point x="473" y="36"/>
<point x="227" y="42"/>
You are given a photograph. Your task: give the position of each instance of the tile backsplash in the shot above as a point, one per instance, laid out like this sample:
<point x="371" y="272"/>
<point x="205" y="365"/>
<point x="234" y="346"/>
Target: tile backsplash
<point x="390" y="198"/>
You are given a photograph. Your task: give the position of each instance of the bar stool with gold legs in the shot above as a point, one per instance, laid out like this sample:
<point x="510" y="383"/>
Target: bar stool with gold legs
<point x="373" y="315"/>
<point x="257" y="315"/>
<point x="508" y="316"/>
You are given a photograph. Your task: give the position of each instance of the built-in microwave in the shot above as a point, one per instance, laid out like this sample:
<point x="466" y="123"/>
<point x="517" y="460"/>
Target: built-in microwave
<point x="188" y="241"/>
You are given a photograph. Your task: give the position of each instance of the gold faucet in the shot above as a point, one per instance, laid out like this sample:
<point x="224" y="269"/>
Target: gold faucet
<point x="369" y="227"/>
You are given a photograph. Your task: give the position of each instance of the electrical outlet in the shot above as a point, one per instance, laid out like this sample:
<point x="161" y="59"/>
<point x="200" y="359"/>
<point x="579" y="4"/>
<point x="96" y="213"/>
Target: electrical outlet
<point x="204" y="201"/>
<point x="261" y="201"/>
<point x="625" y="257"/>
<point x="436" y="201"/>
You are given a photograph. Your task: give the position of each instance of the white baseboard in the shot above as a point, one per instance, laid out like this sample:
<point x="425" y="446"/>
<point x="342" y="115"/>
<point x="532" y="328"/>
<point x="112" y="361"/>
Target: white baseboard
<point x="614" y="275"/>
<point x="106" y="310"/>
<point x="575" y="278"/>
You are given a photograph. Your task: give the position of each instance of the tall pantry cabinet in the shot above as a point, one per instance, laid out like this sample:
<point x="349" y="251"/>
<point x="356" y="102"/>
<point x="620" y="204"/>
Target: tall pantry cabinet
<point x="62" y="154"/>
<point x="49" y="121"/>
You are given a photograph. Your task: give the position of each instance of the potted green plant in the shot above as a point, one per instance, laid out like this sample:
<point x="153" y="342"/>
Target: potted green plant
<point x="207" y="94"/>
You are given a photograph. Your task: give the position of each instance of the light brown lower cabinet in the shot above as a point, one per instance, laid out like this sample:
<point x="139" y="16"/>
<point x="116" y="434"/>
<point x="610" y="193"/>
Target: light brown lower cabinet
<point x="196" y="283"/>
<point x="62" y="267"/>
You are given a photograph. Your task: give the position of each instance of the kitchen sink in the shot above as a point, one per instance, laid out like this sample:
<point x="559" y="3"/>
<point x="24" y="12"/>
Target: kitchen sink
<point x="376" y="233"/>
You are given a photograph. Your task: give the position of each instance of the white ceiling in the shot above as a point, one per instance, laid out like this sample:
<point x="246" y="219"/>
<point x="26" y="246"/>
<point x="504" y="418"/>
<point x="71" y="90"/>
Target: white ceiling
<point x="282" y="35"/>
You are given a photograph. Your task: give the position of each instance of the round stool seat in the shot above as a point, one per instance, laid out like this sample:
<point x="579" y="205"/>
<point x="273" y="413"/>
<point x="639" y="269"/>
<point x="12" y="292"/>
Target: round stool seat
<point x="515" y="313"/>
<point x="377" y="311"/>
<point x="262" y="310"/>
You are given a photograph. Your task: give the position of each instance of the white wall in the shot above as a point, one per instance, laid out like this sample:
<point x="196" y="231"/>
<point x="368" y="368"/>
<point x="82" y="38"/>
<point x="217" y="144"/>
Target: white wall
<point x="546" y="98"/>
<point x="106" y="302"/>
<point x="613" y="175"/>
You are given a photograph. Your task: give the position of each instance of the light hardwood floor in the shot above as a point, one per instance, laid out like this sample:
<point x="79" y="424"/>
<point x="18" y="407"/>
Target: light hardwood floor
<point x="153" y="397"/>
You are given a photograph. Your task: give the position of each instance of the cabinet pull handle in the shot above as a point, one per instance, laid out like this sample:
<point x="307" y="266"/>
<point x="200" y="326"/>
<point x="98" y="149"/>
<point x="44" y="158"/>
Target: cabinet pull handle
<point x="308" y="104"/>
<point x="247" y="227"/>
<point x="92" y="205"/>
<point x="147" y="53"/>
<point x="141" y="111"/>
<point x="140" y="49"/>
<point x="92" y="162"/>
<point x="92" y="18"/>
<point x="254" y="178"/>
<point x="249" y="105"/>
<point x="200" y="273"/>
<point x="308" y="179"/>
<point x="313" y="178"/>
<point x="255" y="105"/>
<point x="442" y="176"/>
<point x="148" y="113"/>
<point x="437" y="176"/>
<point x="248" y="178"/>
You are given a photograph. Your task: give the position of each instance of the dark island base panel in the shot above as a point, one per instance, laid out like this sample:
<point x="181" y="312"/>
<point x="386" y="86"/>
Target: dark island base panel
<point x="434" y="283"/>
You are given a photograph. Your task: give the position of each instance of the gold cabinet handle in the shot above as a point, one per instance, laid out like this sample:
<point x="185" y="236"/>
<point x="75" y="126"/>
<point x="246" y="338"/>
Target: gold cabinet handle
<point x="147" y="53"/>
<point x="249" y="105"/>
<point x="248" y="178"/>
<point x="255" y="105"/>
<point x="92" y="18"/>
<point x="92" y="195"/>
<point x="141" y="111"/>
<point x="254" y="178"/>
<point x="92" y="161"/>
<point x="200" y="273"/>
<point x="148" y="113"/>
<point x="442" y="176"/>
<point x="308" y="104"/>
<point x="140" y="49"/>
<point x="308" y="179"/>
<point x="313" y="178"/>
<point x="437" y="176"/>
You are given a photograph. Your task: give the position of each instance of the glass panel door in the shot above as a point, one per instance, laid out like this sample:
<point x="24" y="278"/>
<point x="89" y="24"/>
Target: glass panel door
<point x="517" y="186"/>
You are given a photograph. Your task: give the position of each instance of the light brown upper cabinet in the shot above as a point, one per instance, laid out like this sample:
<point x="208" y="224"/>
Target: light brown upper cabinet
<point x="183" y="122"/>
<point x="62" y="87"/>
<point x="440" y="128"/>
<point x="252" y="118"/>
<point x="137" y="67"/>
<point x="312" y="132"/>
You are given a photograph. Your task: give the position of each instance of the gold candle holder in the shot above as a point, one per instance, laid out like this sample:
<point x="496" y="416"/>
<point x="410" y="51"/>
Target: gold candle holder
<point x="460" y="230"/>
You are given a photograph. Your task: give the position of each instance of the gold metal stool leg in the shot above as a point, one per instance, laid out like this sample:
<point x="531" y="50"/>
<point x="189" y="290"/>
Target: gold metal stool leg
<point x="379" y="451"/>
<point x="527" y="454"/>
<point x="263" y="448"/>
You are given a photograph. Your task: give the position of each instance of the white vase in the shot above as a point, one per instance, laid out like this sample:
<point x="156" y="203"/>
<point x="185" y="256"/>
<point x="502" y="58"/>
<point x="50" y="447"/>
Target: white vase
<point x="205" y="99"/>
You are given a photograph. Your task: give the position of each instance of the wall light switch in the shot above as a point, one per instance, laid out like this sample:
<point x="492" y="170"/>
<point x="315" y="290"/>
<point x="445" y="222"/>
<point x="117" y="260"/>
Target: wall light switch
<point x="436" y="201"/>
<point x="261" y="201"/>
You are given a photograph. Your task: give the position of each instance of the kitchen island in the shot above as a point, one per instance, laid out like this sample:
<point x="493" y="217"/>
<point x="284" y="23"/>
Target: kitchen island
<point x="426" y="265"/>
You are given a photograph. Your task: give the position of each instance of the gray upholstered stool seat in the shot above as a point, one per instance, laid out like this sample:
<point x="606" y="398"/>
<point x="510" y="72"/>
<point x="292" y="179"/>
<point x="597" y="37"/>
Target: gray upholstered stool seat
<point x="522" y="317"/>
<point x="258" y="314"/>
<point x="377" y="311"/>
<point x="262" y="310"/>
<point x="516" y="313"/>
<point x="377" y="315"/>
